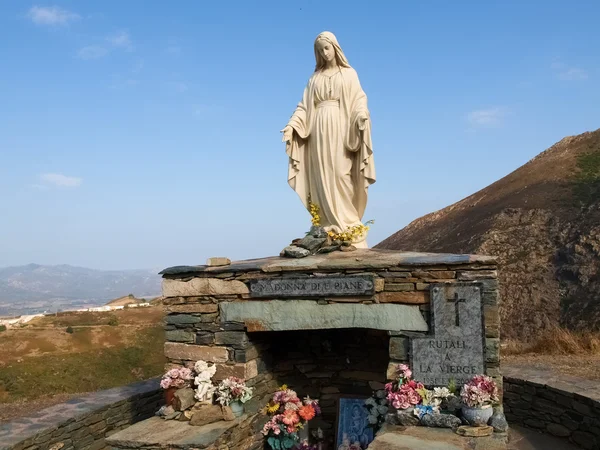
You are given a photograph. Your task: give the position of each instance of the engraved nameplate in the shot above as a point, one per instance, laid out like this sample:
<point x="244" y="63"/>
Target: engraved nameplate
<point x="313" y="287"/>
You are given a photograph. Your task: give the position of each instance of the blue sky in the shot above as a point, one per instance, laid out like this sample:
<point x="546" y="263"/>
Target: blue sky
<point x="146" y="134"/>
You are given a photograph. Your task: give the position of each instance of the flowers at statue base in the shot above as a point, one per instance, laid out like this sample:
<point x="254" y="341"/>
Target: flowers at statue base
<point x="233" y="389"/>
<point x="288" y="415"/>
<point x="177" y="378"/>
<point x="480" y="391"/>
<point x="352" y="233"/>
<point x="314" y="210"/>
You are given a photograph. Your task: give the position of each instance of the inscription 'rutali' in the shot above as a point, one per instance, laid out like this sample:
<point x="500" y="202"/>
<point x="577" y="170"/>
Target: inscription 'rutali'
<point x="455" y="351"/>
<point x="312" y="287"/>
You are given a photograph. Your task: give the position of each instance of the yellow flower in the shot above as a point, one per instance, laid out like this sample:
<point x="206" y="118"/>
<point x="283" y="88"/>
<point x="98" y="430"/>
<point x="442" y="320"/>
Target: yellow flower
<point x="273" y="408"/>
<point x="283" y="387"/>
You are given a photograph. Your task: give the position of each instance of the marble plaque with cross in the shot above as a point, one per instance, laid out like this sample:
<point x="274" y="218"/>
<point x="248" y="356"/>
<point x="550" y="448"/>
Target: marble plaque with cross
<point x="456" y="349"/>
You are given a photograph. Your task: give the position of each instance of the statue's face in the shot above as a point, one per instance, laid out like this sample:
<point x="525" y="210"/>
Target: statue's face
<point x="326" y="49"/>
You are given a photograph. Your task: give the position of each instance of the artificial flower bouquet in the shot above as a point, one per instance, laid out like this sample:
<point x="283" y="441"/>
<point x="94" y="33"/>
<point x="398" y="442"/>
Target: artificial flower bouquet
<point x="177" y="378"/>
<point x="402" y="392"/>
<point x="233" y="389"/>
<point x="431" y="400"/>
<point x="288" y="415"/>
<point x="480" y="391"/>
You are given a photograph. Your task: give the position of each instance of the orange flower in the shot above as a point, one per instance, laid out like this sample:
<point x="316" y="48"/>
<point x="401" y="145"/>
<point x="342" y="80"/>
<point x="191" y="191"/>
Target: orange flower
<point x="307" y="412"/>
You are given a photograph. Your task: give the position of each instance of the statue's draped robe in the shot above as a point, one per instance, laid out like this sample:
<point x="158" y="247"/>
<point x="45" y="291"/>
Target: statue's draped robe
<point x="330" y="159"/>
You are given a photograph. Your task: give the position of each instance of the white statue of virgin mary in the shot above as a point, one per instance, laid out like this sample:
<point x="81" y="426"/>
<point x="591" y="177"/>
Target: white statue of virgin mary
<point x="328" y="141"/>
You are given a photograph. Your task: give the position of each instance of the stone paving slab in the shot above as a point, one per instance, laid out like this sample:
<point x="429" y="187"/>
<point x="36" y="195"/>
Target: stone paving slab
<point x="359" y="259"/>
<point x="17" y="430"/>
<point x="424" y="438"/>
<point x="156" y="432"/>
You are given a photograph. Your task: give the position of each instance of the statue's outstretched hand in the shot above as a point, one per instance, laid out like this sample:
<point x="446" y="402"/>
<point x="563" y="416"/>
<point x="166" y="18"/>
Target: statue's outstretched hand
<point x="362" y="122"/>
<point x="288" y="133"/>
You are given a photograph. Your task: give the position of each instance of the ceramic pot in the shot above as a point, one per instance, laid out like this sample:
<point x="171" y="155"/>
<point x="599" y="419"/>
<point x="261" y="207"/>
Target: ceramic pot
<point x="478" y="417"/>
<point x="170" y="395"/>
<point x="237" y="408"/>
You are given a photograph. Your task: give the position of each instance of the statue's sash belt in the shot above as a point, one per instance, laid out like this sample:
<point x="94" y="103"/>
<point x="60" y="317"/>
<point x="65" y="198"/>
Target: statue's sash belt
<point x="323" y="103"/>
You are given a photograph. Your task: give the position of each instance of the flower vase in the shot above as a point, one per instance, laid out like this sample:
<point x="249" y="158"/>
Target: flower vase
<point x="170" y="395"/>
<point x="237" y="408"/>
<point x="304" y="434"/>
<point x="478" y="417"/>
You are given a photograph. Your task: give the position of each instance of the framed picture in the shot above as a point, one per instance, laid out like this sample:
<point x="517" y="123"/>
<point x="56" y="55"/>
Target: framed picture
<point x="352" y="425"/>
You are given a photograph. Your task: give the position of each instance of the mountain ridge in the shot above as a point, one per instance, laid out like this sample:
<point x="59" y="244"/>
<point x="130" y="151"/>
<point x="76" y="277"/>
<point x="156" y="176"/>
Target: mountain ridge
<point x="541" y="221"/>
<point x="34" y="287"/>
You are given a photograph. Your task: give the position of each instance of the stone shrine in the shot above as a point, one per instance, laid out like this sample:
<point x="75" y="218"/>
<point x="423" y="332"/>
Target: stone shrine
<point x="332" y="325"/>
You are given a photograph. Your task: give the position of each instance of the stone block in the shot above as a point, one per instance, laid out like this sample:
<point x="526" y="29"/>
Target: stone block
<point x="476" y="275"/>
<point x="245" y="355"/>
<point x="584" y="439"/>
<point x="422" y="286"/>
<point x="179" y="336"/>
<point x="204" y="414"/>
<point x="441" y="274"/>
<point x="202" y="286"/>
<point x="379" y="284"/>
<point x="237" y="339"/>
<point x="279" y="315"/>
<point x="181" y="319"/>
<point x="492" y="350"/>
<point x="414" y="298"/>
<point x="205" y="338"/>
<point x="399" y="287"/>
<point x="398" y="348"/>
<point x="581" y="408"/>
<point x="218" y="261"/>
<point x="241" y="370"/>
<point x="193" y="308"/>
<point x="558" y="430"/>
<point x="190" y="352"/>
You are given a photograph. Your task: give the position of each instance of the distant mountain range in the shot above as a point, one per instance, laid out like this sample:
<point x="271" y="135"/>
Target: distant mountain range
<point x="35" y="288"/>
<point x="543" y="222"/>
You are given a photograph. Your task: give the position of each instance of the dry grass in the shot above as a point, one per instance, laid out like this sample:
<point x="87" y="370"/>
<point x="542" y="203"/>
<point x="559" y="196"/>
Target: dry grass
<point x="556" y="341"/>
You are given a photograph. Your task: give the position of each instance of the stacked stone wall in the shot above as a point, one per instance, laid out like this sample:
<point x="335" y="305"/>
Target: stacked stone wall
<point x="83" y="423"/>
<point x="559" y="411"/>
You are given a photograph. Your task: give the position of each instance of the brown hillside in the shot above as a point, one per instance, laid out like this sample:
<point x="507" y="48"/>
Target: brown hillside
<point x="543" y="222"/>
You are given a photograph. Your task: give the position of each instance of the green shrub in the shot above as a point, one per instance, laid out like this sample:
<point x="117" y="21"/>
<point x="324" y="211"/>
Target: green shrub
<point x="69" y="329"/>
<point x="587" y="180"/>
<point x="113" y="321"/>
<point x="2" y="327"/>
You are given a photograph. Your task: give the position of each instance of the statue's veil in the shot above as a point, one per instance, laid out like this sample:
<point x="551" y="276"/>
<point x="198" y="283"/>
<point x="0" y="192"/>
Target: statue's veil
<point x="339" y="53"/>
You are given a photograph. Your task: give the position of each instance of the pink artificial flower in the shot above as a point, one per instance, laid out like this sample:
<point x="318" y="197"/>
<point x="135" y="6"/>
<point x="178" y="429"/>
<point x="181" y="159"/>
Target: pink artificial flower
<point x="290" y="417"/>
<point x="165" y="383"/>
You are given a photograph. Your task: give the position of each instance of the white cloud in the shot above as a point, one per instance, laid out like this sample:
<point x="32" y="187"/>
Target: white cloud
<point x="567" y="73"/>
<point x="486" y="117"/>
<point x="58" y="179"/>
<point x="573" y="73"/>
<point x="51" y="15"/>
<point x="121" y="39"/>
<point x="92" y="52"/>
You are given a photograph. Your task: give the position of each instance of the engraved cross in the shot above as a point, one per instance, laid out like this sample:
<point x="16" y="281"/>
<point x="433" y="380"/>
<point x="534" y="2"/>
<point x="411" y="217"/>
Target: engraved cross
<point x="456" y="301"/>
